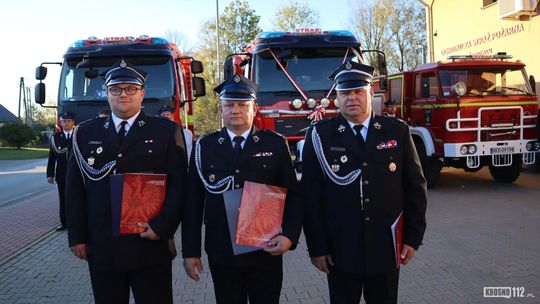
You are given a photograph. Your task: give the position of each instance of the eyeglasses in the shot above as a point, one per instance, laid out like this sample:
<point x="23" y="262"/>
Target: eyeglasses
<point x="116" y="91"/>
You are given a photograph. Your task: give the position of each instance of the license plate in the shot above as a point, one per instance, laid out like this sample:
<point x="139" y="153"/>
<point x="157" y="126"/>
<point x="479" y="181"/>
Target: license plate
<point x="502" y="150"/>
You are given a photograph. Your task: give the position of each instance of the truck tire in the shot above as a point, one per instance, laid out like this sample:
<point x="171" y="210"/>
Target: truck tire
<point x="430" y="166"/>
<point x="507" y="174"/>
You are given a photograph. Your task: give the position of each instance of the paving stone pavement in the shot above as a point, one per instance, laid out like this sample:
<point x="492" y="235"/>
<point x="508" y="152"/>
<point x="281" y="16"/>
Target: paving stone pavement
<point x="479" y="234"/>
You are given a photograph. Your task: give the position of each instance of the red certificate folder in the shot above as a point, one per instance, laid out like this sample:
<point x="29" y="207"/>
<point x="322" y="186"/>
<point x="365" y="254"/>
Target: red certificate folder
<point x="397" y="237"/>
<point x="135" y="198"/>
<point x="261" y="214"/>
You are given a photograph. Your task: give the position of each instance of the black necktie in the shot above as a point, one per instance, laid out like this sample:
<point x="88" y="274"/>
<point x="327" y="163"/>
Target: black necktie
<point x="359" y="137"/>
<point x="238" y="146"/>
<point x="68" y="136"/>
<point x="121" y="133"/>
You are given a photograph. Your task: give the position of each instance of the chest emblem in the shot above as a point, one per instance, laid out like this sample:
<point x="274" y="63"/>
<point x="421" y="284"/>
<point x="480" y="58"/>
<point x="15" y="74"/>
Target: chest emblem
<point x="344" y="159"/>
<point x="91" y="161"/>
<point x="335" y="167"/>
<point x="392" y="167"/>
<point x="99" y="150"/>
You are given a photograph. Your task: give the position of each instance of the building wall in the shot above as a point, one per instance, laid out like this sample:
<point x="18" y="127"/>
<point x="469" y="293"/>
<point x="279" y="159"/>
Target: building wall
<point x="463" y="27"/>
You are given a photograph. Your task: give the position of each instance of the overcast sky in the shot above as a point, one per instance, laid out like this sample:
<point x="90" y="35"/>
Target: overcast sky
<point x="35" y="31"/>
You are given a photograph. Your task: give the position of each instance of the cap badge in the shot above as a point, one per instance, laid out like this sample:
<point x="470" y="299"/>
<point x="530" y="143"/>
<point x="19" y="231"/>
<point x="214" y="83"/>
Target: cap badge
<point x="99" y="150"/>
<point x="392" y="167"/>
<point x="211" y="178"/>
<point x="220" y="140"/>
<point x="341" y="128"/>
<point x="236" y="78"/>
<point x="91" y="161"/>
<point x="348" y="66"/>
<point x="335" y="168"/>
<point x="123" y="64"/>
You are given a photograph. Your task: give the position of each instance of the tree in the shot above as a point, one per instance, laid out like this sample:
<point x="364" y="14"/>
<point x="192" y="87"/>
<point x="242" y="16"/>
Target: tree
<point x="397" y="32"/>
<point x="238" y="24"/>
<point x="181" y="40"/>
<point x="295" y="15"/>
<point x="17" y="134"/>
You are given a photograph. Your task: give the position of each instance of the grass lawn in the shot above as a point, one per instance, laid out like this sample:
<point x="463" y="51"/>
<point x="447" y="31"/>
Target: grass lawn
<point x="23" y="153"/>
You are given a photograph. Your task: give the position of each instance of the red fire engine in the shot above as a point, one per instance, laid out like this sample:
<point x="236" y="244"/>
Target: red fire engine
<point x="292" y="69"/>
<point x="170" y="81"/>
<point x="468" y="113"/>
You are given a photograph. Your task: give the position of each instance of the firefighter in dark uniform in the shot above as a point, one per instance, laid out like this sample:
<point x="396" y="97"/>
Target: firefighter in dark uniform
<point x="390" y="107"/>
<point x="128" y="141"/>
<point x="58" y="158"/>
<point x="222" y="161"/>
<point x="363" y="173"/>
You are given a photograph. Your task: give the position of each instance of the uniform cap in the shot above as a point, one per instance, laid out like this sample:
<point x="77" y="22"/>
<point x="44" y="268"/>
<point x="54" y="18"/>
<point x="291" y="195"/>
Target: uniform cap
<point x="352" y="75"/>
<point x="124" y="72"/>
<point x="67" y="115"/>
<point x="237" y="88"/>
<point x="390" y="102"/>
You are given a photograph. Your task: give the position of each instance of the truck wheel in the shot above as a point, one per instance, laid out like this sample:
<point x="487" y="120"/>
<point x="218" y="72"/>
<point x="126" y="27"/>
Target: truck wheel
<point x="430" y="166"/>
<point x="507" y="174"/>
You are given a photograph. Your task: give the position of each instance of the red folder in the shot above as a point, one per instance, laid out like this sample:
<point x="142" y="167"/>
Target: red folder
<point x="261" y="214"/>
<point x="135" y="198"/>
<point x="397" y="237"/>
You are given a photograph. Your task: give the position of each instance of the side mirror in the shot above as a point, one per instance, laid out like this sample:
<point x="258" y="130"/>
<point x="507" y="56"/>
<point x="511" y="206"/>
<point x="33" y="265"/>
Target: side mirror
<point x="199" y="87"/>
<point x="39" y="93"/>
<point x="196" y="67"/>
<point x="41" y="72"/>
<point x="381" y="62"/>
<point x="228" y="68"/>
<point x="532" y="82"/>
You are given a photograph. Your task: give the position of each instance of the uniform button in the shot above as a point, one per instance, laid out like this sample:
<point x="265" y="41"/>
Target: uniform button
<point x="119" y="155"/>
<point x="149" y="151"/>
<point x="367" y="219"/>
<point x="237" y="186"/>
<point x="366" y="182"/>
<point x="264" y="166"/>
<point x="236" y="171"/>
<point x="364" y="164"/>
<point x="366" y="200"/>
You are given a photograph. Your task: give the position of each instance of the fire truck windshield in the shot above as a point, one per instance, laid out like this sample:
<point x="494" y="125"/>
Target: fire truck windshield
<point x="81" y="80"/>
<point x="486" y="81"/>
<point x="309" y="67"/>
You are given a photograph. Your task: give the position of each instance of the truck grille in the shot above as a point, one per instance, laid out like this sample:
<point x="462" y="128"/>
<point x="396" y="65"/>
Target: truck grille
<point x="504" y="121"/>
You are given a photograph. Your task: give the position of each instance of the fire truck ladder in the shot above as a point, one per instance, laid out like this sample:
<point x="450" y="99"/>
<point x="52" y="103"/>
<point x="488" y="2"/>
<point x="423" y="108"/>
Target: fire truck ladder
<point x="498" y="160"/>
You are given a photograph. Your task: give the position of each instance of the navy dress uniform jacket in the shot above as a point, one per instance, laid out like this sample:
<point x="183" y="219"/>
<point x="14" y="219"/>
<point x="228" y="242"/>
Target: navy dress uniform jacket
<point x="152" y="145"/>
<point x="58" y="157"/>
<point x="358" y="237"/>
<point x="265" y="159"/>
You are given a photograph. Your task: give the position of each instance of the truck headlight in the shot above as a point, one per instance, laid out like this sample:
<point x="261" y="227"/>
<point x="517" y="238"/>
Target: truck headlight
<point x="459" y="88"/>
<point x="536" y="146"/>
<point x="325" y="102"/>
<point x="463" y="150"/>
<point x="297" y="103"/>
<point x="472" y="149"/>
<point x="311" y="103"/>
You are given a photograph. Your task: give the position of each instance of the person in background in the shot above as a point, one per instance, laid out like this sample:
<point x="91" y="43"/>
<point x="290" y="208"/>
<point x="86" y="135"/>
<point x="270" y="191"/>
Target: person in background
<point x="60" y="144"/>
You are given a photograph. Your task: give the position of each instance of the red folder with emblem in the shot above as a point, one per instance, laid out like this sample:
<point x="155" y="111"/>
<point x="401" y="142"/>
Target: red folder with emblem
<point x="135" y="198"/>
<point x="261" y="214"/>
<point x="397" y="237"/>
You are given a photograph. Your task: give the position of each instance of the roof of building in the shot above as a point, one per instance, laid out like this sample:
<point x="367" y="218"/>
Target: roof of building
<point x="6" y="115"/>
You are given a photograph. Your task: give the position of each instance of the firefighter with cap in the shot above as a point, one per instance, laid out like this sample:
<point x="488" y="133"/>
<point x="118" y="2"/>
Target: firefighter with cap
<point x="390" y="107"/>
<point x="223" y="161"/>
<point x="363" y="183"/>
<point x="60" y="144"/>
<point x="127" y="141"/>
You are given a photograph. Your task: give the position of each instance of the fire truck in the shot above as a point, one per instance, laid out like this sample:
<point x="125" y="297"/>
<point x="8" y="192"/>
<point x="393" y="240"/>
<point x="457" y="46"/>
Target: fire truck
<point x="468" y="112"/>
<point x="171" y="80"/>
<point x="292" y="69"/>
